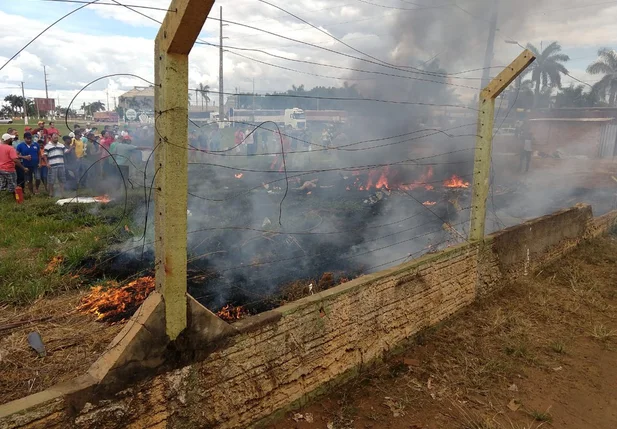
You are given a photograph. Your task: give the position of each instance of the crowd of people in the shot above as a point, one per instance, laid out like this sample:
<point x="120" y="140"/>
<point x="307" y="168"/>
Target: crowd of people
<point x="58" y="163"/>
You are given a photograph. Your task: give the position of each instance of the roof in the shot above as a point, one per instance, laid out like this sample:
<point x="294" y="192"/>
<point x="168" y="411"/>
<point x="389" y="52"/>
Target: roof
<point x="139" y="91"/>
<point x="572" y="119"/>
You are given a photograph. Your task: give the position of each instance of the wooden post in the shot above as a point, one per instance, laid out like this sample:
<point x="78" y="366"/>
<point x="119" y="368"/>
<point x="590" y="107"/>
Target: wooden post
<point x="484" y="140"/>
<point x="173" y="43"/>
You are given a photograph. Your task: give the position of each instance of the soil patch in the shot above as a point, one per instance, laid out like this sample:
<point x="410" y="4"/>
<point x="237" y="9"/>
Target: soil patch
<point x="541" y="352"/>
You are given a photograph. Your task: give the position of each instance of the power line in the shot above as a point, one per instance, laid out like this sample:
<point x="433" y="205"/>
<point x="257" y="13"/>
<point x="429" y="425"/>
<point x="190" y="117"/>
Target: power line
<point x="402" y="68"/>
<point x="46" y="28"/>
<point x="112" y="4"/>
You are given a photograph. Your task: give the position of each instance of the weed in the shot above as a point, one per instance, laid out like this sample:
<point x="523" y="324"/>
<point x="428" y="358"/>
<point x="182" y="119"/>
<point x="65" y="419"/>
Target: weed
<point x="602" y="333"/>
<point x="539" y="416"/>
<point x="518" y="349"/>
<point x="558" y="347"/>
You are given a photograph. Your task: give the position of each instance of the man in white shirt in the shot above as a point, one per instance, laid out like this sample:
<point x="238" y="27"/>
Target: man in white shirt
<point x="54" y="152"/>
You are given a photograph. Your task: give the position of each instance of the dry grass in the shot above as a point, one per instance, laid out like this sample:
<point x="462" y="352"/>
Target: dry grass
<point x="73" y="342"/>
<point x="478" y="361"/>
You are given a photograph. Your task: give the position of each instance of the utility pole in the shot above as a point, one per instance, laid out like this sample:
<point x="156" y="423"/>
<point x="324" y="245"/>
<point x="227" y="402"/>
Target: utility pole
<point x="115" y="103"/>
<point x="107" y="92"/>
<point x="221" y="102"/>
<point x="253" y="96"/>
<point x="25" y="107"/>
<point x="490" y="45"/>
<point x="484" y="140"/>
<point x="45" y="73"/>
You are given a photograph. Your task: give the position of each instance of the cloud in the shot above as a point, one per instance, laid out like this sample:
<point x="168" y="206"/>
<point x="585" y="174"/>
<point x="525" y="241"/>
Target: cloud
<point x="111" y="39"/>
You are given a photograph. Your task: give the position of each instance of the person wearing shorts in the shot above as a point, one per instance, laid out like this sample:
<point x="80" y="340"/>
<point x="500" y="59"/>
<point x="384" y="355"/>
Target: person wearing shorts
<point x="42" y="163"/>
<point x="54" y="153"/>
<point x="28" y="151"/>
<point x="9" y="163"/>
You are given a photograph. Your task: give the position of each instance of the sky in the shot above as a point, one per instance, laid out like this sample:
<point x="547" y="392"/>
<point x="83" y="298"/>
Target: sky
<point x="98" y="40"/>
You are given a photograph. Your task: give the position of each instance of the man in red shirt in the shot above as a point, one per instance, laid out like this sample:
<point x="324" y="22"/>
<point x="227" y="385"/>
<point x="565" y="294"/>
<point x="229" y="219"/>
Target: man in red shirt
<point x="52" y="129"/>
<point x="9" y="161"/>
<point x="105" y="147"/>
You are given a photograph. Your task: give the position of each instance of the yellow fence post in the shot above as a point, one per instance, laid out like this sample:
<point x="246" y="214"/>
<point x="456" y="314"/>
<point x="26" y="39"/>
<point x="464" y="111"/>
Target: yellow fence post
<point x="484" y="140"/>
<point x="174" y="41"/>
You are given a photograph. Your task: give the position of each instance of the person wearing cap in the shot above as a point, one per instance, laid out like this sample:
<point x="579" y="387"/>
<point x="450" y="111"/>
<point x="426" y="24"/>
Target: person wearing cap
<point x="43" y="133"/>
<point x="28" y="151"/>
<point x="54" y="153"/>
<point x="9" y="164"/>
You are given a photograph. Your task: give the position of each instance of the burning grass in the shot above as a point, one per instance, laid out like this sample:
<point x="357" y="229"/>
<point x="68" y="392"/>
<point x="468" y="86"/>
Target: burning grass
<point x="112" y="303"/>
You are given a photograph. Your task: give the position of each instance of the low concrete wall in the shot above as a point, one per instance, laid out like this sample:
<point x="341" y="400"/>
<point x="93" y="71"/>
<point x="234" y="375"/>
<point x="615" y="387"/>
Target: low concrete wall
<point x="284" y="357"/>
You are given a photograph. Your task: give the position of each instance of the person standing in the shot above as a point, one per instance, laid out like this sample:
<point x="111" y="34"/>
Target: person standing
<point x="54" y="153"/>
<point x="250" y="142"/>
<point x="238" y="139"/>
<point x="28" y="151"/>
<point x="52" y="129"/>
<point x="42" y="162"/>
<point x="527" y="150"/>
<point x="79" y="149"/>
<point x="9" y="164"/>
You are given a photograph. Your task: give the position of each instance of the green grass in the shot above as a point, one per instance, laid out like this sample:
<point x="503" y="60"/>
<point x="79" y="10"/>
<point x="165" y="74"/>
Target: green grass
<point x="19" y="125"/>
<point x="34" y="233"/>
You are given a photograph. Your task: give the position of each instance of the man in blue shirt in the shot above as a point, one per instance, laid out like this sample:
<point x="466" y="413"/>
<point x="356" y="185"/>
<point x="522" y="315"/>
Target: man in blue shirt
<point x="28" y="152"/>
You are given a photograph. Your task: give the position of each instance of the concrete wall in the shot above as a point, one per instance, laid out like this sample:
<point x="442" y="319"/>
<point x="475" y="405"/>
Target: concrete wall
<point x="286" y="356"/>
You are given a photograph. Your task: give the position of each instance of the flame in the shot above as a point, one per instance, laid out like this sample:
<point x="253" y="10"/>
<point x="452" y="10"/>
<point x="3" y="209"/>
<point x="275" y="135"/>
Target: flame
<point x="455" y="182"/>
<point x="114" y="304"/>
<point x="429" y="203"/>
<point x="422" y="182"/>
<point x="103" y="199"/>
<point x="238" y="175"/>
<point x="54" y="264"/>
<point x="230" y="313"/>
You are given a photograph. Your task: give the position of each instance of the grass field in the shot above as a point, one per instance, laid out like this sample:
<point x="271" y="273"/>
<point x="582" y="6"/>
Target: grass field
<point x="42" y="245"/>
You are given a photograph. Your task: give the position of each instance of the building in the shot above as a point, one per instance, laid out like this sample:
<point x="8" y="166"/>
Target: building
<point x="588" y="132"/>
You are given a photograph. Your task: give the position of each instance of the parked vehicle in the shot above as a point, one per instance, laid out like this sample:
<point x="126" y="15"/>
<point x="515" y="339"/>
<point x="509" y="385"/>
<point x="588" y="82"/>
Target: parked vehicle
<point x="6" y="121"/>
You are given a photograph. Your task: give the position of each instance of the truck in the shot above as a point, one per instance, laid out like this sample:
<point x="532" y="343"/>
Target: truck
<point x="294" y="118"/>
<point x="106" y="117"/>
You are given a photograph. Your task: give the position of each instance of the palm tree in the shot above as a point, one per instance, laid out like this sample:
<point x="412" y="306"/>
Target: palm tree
<point x="97" y="106"/>
<point x="606" y="65"/>
<point x="547" y="69"/>
<point x="204" y="90"/>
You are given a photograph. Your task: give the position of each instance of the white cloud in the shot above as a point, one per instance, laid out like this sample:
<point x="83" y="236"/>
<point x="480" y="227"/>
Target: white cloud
<point x="75" y="54"/>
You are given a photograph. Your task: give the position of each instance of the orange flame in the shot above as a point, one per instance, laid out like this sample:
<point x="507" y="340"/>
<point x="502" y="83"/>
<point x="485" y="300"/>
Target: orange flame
<point x="238" y="176"/>
<point x="429" y="203"/>
<point x="422" y="182"/>
<point x="230" y="313"/>
<point x="455" y="182"/>
<point x="103" y="199"/>
<point x="115" y="304"/>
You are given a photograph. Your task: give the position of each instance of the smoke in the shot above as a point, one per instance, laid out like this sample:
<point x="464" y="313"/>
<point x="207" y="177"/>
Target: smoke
<point x="250" y="236"/>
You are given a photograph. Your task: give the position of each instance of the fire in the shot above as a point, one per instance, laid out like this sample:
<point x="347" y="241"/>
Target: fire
<point x="238" y="175"/>
<point x="230" y="313"/>
<point x="53" y="265"/>
<point x="429" y="203"/>
<point x="421" y="183"/>
<point x="115" y="304"/>
<point x="103" y="199"/>
<point x="455" y="182"/>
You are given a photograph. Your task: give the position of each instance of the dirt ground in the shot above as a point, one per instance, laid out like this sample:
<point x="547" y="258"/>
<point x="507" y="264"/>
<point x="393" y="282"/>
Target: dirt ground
<point x="73" y="341"/>
<point x="541" y="353"/>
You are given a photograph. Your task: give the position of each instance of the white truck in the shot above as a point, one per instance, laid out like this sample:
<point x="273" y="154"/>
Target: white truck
<point x="294" y="118"/>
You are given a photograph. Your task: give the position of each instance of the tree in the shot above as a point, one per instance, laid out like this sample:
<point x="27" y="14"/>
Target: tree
<point x="575" y="96"/>
<point x="97" y="106"/>
<point x="606" y="64"/>
<point x="14" y="102"/>
<point x="204" y="90"/>
<point x="547" y="69"/>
